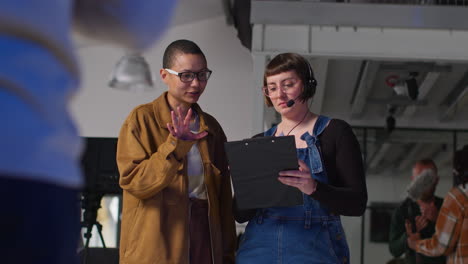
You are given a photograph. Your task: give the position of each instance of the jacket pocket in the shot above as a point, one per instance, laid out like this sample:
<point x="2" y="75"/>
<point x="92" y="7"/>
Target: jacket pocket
<point x="133" y="221"/>
<point x="174" y="192"/>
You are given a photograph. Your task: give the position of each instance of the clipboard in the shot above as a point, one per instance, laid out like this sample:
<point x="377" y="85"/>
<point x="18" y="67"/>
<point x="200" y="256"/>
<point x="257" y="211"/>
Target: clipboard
<point x="255" y="163"/>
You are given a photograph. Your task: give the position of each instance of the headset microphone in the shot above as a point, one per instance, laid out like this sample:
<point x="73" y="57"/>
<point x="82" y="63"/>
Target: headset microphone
<point x="310" y="85"/>
<point x="291" y="102"/>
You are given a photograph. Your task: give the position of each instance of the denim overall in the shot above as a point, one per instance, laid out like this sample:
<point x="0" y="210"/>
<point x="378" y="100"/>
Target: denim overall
<point x="306" y="233"/>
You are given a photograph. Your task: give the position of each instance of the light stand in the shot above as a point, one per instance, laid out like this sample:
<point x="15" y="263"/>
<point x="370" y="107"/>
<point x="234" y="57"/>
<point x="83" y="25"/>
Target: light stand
<point x="91" y="202"/>
<point x="101" y="178"/>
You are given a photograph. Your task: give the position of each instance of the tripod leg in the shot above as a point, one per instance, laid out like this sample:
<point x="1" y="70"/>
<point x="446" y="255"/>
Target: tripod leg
<point x="85" y="255"/>
<point x="88" y="235"/>
<point x="99" y="228"/>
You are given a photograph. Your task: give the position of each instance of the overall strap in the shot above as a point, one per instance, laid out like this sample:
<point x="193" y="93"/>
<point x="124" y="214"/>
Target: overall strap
<point x="316" y="166"/>
<point x="320" y="125"/>
<point x="313" y="144"/>
<point x="269" y="132"/>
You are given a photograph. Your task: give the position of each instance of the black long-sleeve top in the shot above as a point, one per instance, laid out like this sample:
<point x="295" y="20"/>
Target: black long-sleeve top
<point x="346" y="191"/>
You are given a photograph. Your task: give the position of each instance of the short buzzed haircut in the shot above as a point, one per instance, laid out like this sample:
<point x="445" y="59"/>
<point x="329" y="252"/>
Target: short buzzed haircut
<point x="183" y="46"/>
<point x="427" y="164"/>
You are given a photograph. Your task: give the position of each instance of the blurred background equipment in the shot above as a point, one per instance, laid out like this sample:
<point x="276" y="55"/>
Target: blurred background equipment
<point x="132" y="73"/>
<point x="101" y="178"/>
<point x="407" y="87"/>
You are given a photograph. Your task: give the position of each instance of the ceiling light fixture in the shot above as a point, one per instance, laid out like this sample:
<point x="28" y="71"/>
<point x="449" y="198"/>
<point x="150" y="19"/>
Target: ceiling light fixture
<point x="390" y="120"/>
<point x="132" y="73"/>
<point x="407" y="87"/>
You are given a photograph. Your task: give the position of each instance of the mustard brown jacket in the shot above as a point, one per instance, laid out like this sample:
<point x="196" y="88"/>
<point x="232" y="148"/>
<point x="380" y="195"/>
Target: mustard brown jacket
<point x="153" y="176"/>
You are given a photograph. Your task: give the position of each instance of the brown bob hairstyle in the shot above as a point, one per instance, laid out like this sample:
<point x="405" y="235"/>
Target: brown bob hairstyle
<point x="292" y="61"/>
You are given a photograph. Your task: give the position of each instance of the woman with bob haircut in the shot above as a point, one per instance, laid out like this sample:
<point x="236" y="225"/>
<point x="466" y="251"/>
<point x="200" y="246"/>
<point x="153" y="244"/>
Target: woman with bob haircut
<point x="330" y="176"/>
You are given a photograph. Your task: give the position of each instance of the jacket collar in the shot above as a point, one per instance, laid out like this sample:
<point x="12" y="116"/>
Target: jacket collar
<point x="162" y="111"/>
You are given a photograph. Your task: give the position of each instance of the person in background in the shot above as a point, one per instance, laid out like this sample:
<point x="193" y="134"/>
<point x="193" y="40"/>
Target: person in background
<point x="422" y="213"/>
<point x="331" y="177"/>
<point x="40" y="172"/>
<point x="177" y="199"/>
<point x="451" y="229"/>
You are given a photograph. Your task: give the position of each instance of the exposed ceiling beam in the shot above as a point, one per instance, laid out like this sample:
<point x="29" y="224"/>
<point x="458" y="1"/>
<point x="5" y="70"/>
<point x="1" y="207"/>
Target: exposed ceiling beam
<point x="453" y="100"/>
<point x="363" y="88"/>
<point x="416" y="67"/>
<point x="451" y="109"/>
<point x="419" y="151"/>
<point x="409" y="136"/>
<point x="411" y="156"/>
<point x="379" y="155"/>
<point x="357" y="14"/>
<point x="396" y="100"/>
<point x="443" y="158"/>
<point x="400" y="135"/>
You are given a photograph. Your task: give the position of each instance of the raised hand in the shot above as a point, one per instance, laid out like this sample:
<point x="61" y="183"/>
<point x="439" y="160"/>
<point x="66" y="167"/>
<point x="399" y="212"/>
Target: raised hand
<point x="429" y="210"/>
<point x="300" y="179"/>
<point x="180" y="127"/>
<point x="421" y="222"/>
<point x="412" y="237"/>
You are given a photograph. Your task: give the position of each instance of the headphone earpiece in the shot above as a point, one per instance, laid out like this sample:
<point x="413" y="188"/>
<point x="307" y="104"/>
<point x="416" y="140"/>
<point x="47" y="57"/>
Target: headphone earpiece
<point x="312" y="85"/>
<point x="311" y="82"/>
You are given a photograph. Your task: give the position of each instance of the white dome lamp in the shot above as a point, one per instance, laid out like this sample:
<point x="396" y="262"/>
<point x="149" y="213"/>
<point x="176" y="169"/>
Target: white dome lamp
<point x="132" y="73"/>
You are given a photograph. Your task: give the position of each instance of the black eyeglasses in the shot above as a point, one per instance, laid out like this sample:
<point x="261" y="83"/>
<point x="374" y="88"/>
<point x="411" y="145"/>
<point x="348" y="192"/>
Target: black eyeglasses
<point x="189" y="76"/>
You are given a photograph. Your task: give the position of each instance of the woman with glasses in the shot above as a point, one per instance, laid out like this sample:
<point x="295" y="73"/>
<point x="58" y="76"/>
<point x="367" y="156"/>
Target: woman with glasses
<point x="177" y="200"/>
<point x="330" y="176"/>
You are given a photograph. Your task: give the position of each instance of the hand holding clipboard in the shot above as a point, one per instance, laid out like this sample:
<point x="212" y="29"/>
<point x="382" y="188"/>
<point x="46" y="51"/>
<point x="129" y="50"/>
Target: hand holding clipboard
<point x="255" y="165"/>
<point x="299" y="179"/>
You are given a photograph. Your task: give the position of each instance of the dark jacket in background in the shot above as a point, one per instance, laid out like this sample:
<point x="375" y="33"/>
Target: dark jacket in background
<point x="397" y="237"/>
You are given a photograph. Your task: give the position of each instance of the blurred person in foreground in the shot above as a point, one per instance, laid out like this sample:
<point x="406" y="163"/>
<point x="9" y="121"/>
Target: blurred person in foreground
<point x="451" y="230"/>
<point x="40" y="172"/>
